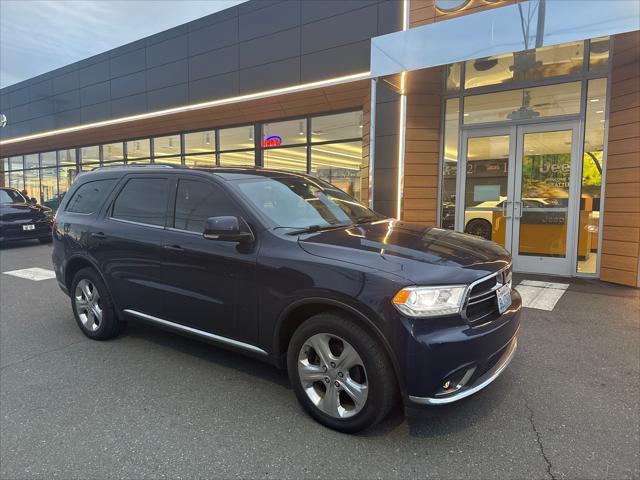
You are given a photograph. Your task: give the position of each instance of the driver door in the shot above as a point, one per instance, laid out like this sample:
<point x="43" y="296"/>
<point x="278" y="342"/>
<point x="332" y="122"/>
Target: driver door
<point x="210" y="284"/>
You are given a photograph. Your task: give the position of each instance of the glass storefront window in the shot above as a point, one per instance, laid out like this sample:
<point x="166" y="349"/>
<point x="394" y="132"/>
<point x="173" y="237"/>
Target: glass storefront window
<point x="342" y="126"/>
<point x="166" y="146"/>
<point x="237" y="138"/>
<point x="294" y="158"/>
<point x="238" y="159"/>
<point x="88" y="167"/>
<point x="542" y="62"/>
<point x="450" y="164"/>
<point x="67" y="157"/>
<point x="16" y="180"/>
<point x="453" y="74"/>
<point x="66" y="176"/>
<point x="49" y="187"/>
<point x="591" y="184"/>
<point x="599" y="54"/>
<point x="169" y="160"/>
<point x="139" y="148"/>
<point x="112" y="151"/>
<point x="487" y="172"/>
<point x="16" y="163"/>
<point x="290" y="132"/>
<point x="32" y="184"/>
<point x="339" y="164"/>
<point x="4" y="172"/>
<point x="200" y="142"/>
<point x="90" y="155"/>
<point x="48" y="159"/>
<point x="138" y="161"/>
<point x="523" y="104"/>
<point x="201" y="161"/>
<point x="31" y="161"/>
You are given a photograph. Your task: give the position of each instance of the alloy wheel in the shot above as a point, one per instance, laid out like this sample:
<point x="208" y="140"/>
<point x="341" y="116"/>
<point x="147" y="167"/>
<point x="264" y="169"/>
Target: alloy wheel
<point x="88" y="304"/>
<point x="333" y="376"/>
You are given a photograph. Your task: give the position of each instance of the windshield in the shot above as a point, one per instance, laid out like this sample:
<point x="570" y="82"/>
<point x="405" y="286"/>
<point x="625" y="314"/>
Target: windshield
<point x="11" y="196"/>
<point x="303" y="203"/>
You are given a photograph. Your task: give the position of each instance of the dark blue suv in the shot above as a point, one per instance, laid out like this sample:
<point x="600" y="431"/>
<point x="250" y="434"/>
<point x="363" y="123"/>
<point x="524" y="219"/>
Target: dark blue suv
<point x="361" y="309"/>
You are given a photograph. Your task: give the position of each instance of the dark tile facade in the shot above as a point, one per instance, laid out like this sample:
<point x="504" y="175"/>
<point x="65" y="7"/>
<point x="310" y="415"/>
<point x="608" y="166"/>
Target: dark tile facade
<point x="254" y="46"/>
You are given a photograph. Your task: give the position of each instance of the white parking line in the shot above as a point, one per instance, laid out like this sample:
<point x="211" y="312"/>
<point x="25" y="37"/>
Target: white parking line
<point x="541" y="295"/>
<point x="36" y="274"/>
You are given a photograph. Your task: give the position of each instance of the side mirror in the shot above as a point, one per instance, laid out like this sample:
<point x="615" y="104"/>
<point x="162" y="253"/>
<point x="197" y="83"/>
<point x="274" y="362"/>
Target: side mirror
<point x="228" y="229"/>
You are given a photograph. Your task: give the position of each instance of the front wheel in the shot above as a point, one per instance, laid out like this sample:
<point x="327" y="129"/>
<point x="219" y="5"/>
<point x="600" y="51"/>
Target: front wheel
<point x="340" y="374"/>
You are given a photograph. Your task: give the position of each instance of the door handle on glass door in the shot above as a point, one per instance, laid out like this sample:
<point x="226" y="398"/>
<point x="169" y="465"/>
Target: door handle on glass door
<point x="506" y="211"/>
<point x="517" y="209"/>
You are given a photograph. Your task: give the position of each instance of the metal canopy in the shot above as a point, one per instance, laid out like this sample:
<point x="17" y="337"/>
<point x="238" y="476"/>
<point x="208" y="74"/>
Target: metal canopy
<point x="513" y="28"/>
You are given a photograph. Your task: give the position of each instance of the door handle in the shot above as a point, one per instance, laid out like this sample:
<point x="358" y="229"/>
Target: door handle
<point x="517" y="209"/>
<point x="173" y="248"/>
<point x="506" y="211"/>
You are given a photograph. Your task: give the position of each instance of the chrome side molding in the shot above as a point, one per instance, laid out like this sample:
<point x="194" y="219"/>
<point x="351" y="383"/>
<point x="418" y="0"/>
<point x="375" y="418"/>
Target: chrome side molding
<point x="195" y="331"/>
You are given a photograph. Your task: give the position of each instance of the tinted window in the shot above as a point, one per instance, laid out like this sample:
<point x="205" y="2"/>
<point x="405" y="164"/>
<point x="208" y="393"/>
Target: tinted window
<point x="89" y="196"/>
<point x="142" y="200"/>
<point x="197" y="201"/>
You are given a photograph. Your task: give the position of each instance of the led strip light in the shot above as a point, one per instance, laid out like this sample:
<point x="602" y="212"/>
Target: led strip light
<point x="195" y="106"/>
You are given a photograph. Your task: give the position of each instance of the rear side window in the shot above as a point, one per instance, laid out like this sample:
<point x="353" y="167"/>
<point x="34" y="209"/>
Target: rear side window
<point x="89" y="196"/>
<point x="197" y="201"/>
<point x="142" y="200"/>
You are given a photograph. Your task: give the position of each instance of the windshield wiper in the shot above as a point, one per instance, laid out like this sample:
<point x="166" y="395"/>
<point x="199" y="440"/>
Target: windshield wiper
<point x="369" y="219"/>
<point x="318" y="228"/>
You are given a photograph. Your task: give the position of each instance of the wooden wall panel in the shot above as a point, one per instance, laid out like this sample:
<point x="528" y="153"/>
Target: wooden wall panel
<point x="422" y="146"/>
<point x="620" y="261"/>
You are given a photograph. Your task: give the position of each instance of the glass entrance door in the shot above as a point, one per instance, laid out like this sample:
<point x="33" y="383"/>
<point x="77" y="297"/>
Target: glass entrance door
<point x="517" y="187"/>
<point x="544" y="198"/>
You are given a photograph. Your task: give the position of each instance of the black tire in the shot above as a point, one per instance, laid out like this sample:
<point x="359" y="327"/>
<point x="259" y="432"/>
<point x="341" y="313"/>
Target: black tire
<point x="380" y="378"/>
<point x="479" y="227"/>
<point x="109" y="325"/>
<point x="46" y="239"/>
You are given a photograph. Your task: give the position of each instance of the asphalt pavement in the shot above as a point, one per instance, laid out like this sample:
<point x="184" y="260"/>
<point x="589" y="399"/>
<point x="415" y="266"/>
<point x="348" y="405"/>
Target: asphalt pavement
<point x="152" y="404"/>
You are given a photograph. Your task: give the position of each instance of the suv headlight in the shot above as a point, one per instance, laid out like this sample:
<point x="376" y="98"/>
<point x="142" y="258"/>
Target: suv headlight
<point x="430" y="301"/>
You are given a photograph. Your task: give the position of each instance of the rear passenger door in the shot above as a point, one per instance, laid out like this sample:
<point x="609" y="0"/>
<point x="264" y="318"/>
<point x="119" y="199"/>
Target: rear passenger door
<point x="210" y="284"/>
<point x="130" y="243"/>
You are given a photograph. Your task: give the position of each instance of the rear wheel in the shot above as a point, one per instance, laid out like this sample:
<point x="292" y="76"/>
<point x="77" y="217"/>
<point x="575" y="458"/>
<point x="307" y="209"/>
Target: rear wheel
<point x="340" y="373"/>
<point x="92" y="306"/>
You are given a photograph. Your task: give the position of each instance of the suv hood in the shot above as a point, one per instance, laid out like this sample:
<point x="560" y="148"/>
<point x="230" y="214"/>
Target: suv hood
<point x="422" y="255"/>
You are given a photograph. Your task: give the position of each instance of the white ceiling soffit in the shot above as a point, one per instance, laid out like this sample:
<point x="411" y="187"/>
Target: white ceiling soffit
<point x="513" y="28"/>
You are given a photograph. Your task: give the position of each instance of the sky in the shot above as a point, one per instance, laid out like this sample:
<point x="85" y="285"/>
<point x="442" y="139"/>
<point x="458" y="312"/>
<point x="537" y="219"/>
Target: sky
<point x="37" y="36"/>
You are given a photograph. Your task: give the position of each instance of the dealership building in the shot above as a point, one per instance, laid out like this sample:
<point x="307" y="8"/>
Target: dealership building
<point x="518" y="121"/>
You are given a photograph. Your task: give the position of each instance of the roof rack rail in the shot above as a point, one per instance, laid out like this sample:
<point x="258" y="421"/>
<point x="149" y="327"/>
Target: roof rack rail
<point x="141" y="165"/>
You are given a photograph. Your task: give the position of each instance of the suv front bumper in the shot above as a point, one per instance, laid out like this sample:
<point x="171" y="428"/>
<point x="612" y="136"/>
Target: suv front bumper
<point x="462" y="390"/>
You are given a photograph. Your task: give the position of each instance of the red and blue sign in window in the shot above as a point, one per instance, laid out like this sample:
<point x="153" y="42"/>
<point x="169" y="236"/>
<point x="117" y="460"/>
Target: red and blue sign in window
<point x="271" y="141"/>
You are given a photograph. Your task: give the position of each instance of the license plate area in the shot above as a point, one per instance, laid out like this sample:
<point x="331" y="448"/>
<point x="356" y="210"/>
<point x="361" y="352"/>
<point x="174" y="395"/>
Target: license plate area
<point x="28" y="227"/>
<point x="504" y="298"/>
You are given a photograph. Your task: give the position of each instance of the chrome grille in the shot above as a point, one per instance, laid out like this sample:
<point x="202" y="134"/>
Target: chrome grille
<point x="482" y="302"/>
